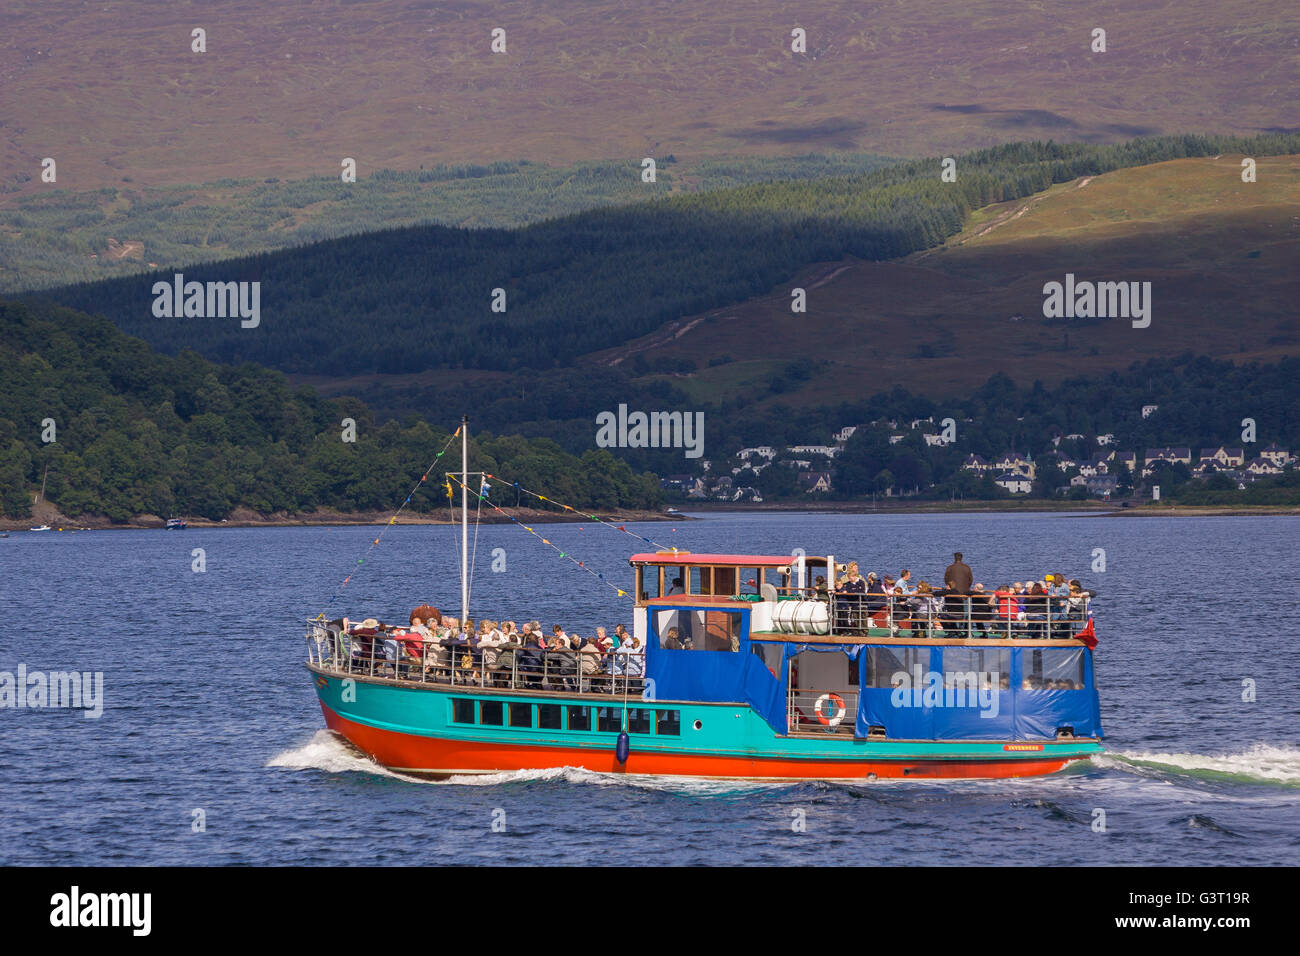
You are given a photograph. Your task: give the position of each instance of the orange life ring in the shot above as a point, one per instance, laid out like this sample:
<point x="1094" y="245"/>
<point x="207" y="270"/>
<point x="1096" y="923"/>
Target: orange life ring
<point x="839" y="703"/>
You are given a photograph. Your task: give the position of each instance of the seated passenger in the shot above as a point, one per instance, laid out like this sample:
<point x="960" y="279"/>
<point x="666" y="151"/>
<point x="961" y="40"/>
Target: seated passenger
<point x="590" y="656"/>
<point x="676" y="587"/>
<point x="673" y="641"/>
<point x="629" y="658"/>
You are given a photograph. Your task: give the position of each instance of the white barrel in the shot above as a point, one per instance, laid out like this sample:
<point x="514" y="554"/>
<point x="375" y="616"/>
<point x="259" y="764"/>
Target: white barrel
<point x="801" y="617"/>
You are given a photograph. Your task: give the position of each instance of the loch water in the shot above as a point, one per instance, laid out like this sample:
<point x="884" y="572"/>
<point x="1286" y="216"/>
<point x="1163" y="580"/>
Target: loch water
<point x="210" y="717"/>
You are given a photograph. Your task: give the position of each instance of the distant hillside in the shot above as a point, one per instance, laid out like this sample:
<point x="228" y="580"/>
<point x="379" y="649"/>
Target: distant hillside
<point x="1221" y="255"/>
<point x="405" y="301"/>
<point x="114" y="429"/>
<point x="114" y="93"/>
<point x="60" y="236"/>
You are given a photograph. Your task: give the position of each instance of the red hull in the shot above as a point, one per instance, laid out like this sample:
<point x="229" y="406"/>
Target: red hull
<point x="438" y="756"/>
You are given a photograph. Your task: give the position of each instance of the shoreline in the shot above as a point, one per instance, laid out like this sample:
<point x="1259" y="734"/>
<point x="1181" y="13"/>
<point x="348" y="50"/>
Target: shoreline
<point x="245" y="518"/>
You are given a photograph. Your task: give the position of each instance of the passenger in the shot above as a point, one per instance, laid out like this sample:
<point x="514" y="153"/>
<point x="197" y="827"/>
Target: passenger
<point x="981" y="610"/>
<point x="489" y="639"/>
<point x="904" y="581"/>
<point x="629" y="659"/>
<point x="924" y="605"/>
<point x="673" y="641"/>
<point x="958" y="576"/>
<point x="590" y="656"/>
<point x="531" y="663"/>
<point x="620" y="635"/>
<point x="562" y="663"/>
<point x="852" y="591"/>
<point x="875" y="592"/>
<point x="819" y="588"/>
<point x="1034" y="605"/>
<point x="606" y="642"/>
<point x="558" y="639"/>
<point x="676" y="587"/>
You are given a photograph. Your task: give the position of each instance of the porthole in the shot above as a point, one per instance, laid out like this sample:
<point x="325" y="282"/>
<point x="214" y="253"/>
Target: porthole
<point x="697" y="725"/>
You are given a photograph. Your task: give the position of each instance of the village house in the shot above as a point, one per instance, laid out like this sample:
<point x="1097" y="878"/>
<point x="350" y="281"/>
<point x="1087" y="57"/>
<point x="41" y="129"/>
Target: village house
<point x="1276" y="454"/>
<point x="762" y="451"/>
<point x="1224" y="457"/>
<point x="1148" y="410"/>
<point x="1263" y="466"/>
<point x="813" y="482"/>
<point x="828" y="450"/>
<point x="1106" y="439"/>
<point x="1016" y="484"/>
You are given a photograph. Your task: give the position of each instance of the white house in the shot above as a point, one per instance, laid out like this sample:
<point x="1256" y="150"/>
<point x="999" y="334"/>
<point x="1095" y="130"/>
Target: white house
<point x="762" y="451"/>
<point x="1148" y="410"/>
<point x="1016" y="484"/>
<point x="1106" y="439"/>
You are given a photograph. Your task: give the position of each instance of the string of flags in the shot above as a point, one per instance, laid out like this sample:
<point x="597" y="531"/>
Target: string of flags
<point x="484" y="499"/>
<point x="393" y="520"/>
<point x="617" y="527"/>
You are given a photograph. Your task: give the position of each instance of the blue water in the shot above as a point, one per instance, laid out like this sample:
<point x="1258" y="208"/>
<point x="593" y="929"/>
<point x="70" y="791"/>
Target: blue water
<point x="208" y="707"/>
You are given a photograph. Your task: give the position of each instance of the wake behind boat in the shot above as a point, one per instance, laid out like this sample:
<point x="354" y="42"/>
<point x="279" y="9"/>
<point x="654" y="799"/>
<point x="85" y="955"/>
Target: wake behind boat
<point x="736" y="666"/>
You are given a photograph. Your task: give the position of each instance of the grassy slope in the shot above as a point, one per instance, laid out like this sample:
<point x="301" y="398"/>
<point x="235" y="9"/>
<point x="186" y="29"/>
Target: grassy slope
<point x="1189" y="226"/>
<point x="66" y="236"/>
<point x="112" y="90"/>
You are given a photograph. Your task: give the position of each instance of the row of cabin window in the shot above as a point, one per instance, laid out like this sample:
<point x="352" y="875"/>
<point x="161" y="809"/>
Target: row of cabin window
<point x="495" y="713"/>
<point x="884" y="663"/>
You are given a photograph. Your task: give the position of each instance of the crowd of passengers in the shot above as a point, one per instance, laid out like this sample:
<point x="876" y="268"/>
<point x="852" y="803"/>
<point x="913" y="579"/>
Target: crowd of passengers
<point x="494" y="653"/>
<point x="1050" y="607"/>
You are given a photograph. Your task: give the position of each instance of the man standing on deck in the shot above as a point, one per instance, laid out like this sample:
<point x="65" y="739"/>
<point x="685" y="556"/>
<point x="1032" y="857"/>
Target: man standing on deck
<point x="958" y="577"/>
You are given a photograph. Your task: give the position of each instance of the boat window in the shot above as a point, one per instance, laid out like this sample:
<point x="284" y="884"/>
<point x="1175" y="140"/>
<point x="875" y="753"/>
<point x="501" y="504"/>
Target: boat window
<point x="580" y="718"/>
<point x="699" y="580"/>
<point x="699" y="630"/>
<point x="548" y="716"/>
<point x="638" y="721"/>
<point x="490" y="713"/>
<point x="989" y="665"/>
<point x="521" y="715"/>
<point x="1052" y="668"/>
<point x="609" y="719"/>
<point x="462" y="710"/>
<point x="669" y="722"/>
<point x="650" y="582"/>
<point x="884" y="662"/>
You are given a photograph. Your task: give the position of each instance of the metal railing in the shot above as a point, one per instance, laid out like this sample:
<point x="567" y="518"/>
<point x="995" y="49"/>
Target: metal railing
<point x="825" y="711"/>
<point x="989" y="615"/>
<point x="394" y="654"/>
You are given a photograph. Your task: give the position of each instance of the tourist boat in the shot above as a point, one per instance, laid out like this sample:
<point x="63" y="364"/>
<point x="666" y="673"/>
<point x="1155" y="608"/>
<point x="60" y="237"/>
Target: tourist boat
<point x="175" y="524"/>
<point x="747" y="672"/>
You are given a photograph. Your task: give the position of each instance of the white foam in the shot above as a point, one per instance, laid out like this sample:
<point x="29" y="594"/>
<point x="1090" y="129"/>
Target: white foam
<point x="1260" y="762"/>
<point x="329" y="752"/>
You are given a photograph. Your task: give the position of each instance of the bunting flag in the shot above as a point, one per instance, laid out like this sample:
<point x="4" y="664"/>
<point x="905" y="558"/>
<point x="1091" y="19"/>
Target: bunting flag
<point x="601" y="521"/>
<point x="393" y="520"/>
<point x="1088" y="635"/>
<point x="564" y="554"/>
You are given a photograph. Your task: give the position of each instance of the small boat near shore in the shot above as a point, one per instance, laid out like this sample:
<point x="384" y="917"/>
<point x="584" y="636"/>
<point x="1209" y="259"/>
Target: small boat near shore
<point x="735" y="666"/>
<point x="175" y="524"/>
<point x="43" y="527"/>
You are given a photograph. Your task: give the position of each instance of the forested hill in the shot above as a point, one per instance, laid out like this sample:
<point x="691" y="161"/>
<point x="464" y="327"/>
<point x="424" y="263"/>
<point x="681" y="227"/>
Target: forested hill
<point x="125" y="431"/>
<point x="419" y="298"/>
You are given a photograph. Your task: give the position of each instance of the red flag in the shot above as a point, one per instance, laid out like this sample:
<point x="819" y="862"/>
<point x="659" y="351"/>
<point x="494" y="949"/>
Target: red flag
<point x="1088" y="635"/>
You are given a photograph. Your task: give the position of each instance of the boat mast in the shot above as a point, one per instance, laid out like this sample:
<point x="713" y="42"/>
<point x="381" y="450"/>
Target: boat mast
<point x="464" y="520"/>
